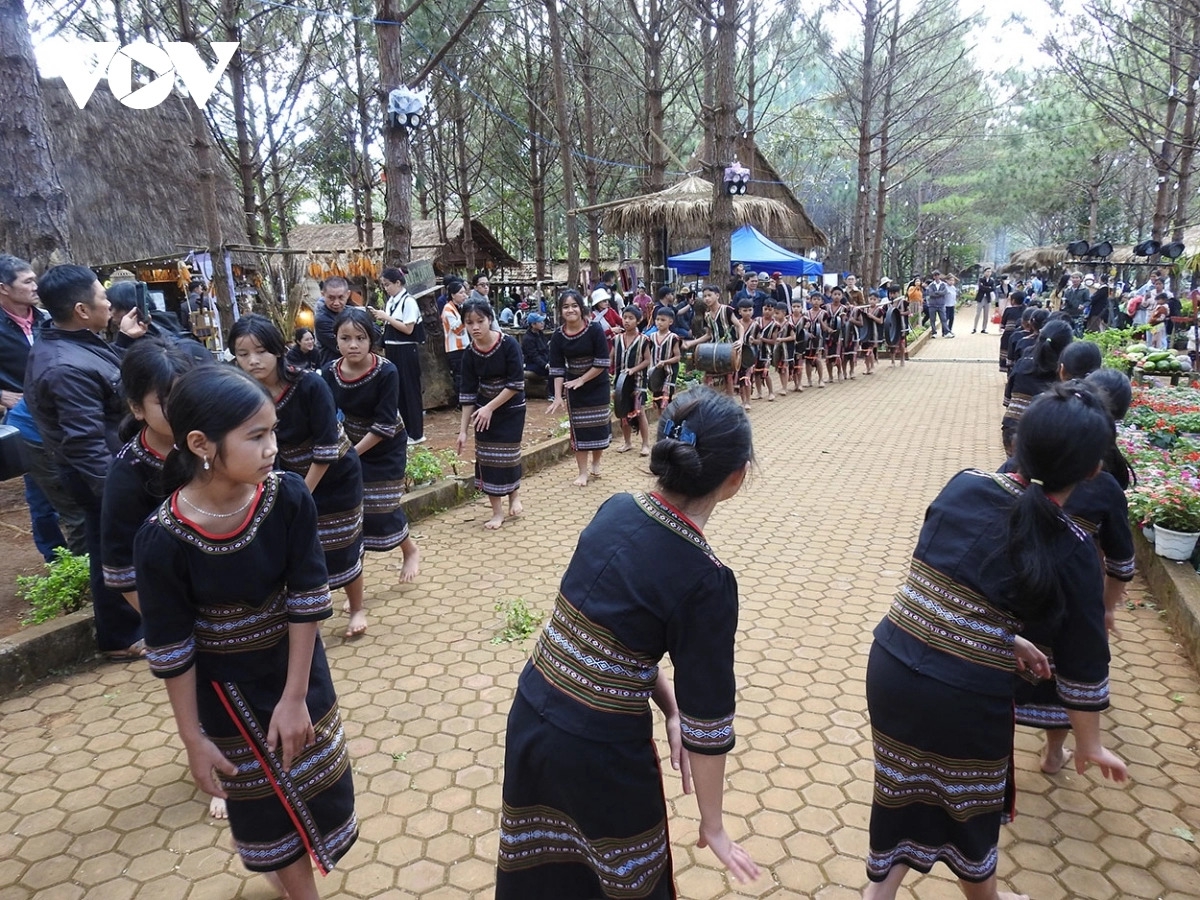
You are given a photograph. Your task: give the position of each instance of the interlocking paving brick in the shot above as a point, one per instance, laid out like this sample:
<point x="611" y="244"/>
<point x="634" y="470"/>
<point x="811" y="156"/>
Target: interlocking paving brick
<point x="96" y="801"/>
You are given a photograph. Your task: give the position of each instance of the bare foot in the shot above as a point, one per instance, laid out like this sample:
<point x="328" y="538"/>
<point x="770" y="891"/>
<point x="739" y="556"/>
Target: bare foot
<point x="216" y="808"/>
<point x="1009" y="895"/>
<point x="770" y="398"/>
<point x="494" y="522"/>
<point x="595" y="473"/>
<point x="645" y="450"/>
<point x="358" y="624"/>
<point x="625" y="449"/>
<point x="412" y="566"/>
<point x="276" y="883"/>
<point x="516" y="509"/>
<point x="1053" y="764"/>
<point x="746" y="406"/>
<point x="581" y="481"/>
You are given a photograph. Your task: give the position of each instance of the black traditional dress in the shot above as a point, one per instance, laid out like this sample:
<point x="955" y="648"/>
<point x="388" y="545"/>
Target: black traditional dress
<point x="1024" y="384"/>
<point x="222" y="604"/>
<point x="132" y="491"/>
<point x="485" y="375"/>
<point x="369" y="404"/>
<point x="1010" y="322"/>
<point x="1100" y="508"/>
<point x="571" y="355"/>
<point x="309" y="432"/>
<point x="584" y="813"/>
<point x="941" y="674"/>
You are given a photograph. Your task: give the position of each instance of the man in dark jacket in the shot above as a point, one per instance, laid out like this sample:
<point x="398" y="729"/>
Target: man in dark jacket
<point x="73" y="389"/>
<point x="535" y="349"/>
<point x="1076" y="298"/>
<point x="335" y="294"/>
<point x="51" y="509"/>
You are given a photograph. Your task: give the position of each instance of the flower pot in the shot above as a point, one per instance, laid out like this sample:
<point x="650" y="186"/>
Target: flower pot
<point x="1174" y="544"/>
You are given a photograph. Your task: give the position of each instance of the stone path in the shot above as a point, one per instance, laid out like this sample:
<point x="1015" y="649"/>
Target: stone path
<point x="95" y="800"/>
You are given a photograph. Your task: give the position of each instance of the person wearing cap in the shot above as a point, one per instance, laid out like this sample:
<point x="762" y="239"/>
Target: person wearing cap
<point x="1076" y="298"/>
<point x="752" y="292"/>
<point x="604" y="315"/>
<point x="535" y="348"/>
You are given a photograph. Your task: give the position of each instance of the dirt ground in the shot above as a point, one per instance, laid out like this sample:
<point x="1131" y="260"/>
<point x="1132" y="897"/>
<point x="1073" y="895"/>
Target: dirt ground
<point x="20" y="556"/>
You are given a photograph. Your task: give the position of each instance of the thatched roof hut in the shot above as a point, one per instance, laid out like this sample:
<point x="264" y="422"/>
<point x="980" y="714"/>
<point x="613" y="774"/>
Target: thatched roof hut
<point x="1036" y="258"/>
<point x="129" y="175"/>
<point x="800" y="234"/>
<point x="687" y="206"/>
<point x="427" y="243"/>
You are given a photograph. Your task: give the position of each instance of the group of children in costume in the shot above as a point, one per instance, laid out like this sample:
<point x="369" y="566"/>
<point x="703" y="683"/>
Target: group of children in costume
<point x="825" y="337"/>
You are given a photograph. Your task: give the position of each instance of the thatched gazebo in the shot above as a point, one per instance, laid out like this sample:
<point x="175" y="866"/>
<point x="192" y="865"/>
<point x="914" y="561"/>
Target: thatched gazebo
<point x="687" y="206"/>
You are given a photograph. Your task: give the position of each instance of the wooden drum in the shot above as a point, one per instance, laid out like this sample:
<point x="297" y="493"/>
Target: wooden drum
<point x="718" y="359"/>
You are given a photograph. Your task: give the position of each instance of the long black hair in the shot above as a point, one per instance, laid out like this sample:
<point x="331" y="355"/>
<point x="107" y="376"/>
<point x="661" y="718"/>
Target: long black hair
<point x="1061" y="439"/>
<point x="1051" y="341"/>
<point x="151" y="366"/>
<point x="1114" y="387"/>
<point x="268" y="335"/>
<point x="703" y="437"/>
<point x="213" y="400"/>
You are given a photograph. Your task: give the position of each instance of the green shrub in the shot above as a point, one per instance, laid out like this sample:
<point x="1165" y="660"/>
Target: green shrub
<point x="64" y="589"/>
<point x="423" y="465"/>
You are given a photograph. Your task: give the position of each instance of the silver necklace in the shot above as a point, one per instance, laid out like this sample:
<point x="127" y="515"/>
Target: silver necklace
<point x="213" y="515"/>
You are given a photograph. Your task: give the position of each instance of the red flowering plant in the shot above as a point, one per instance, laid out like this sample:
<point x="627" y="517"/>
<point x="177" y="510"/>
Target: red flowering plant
<point x="1167" y="491"/>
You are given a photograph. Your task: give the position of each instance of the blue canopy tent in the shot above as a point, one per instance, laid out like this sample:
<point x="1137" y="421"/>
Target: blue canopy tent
<point x="751" y="247"/>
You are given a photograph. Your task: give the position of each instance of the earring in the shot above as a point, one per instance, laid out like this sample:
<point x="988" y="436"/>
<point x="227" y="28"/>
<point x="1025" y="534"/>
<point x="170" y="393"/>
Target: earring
<point x="207" y="465"/>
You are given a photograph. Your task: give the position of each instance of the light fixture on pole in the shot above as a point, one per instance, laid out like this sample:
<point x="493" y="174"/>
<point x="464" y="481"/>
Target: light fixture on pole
<point x="737" y="177"/>
<point x="406" y="108"/>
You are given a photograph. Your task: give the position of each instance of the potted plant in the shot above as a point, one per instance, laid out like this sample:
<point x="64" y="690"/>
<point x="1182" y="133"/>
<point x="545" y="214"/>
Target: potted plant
<point x="423" y="467"/>
<point x="1174" y="510"/>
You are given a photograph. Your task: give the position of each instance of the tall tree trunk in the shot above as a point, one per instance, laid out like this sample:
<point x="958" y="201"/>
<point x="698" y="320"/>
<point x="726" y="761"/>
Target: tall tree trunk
<point x="33" y="204"/>
<point x="564" y="139"/>
<point x="860" y="249"/>
<point x="656" y="257"/>
<point x="873" y="271"/>
<point x="537" y="158"/>
<point x="1188" y="138"/>
<point x="591" y="172"/>
<point x="463" y="179"/>
<point x="206" y="181"/>
<point x="397" y="159"/>
<point x="724" y="121"/>
<point x="363" y="177"/>
<point x="237" y="91"/>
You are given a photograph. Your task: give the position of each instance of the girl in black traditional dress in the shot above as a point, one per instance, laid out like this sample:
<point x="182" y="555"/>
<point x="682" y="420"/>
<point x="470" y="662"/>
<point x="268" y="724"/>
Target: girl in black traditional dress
<point x="584" y="814"/>
<point x="493" y="404"/>
<point x="134" y="487"/>
<point x="231" y="580"/>
<point x="312" y="444"/>
<point x="1099" y="506"/>
<point x="1010" y="327"/>
<point x="366" y="388"/>
<point x="579" y="360"/>
<point x="1031" y="375"/>
<point x="996" y="555"/>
